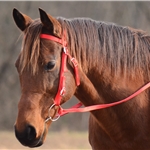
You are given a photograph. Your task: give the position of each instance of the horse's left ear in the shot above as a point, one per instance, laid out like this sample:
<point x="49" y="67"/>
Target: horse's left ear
<point x="21" y="20"/>
<point x="50" y="23"/>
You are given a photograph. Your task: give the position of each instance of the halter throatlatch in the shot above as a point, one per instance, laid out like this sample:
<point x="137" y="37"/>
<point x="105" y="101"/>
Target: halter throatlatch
<point x="61" y="88"/>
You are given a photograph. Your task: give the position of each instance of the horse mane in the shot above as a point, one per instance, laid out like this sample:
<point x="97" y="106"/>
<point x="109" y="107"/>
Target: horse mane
<point x="108" y="47"/>
<point x="122" y="50"/>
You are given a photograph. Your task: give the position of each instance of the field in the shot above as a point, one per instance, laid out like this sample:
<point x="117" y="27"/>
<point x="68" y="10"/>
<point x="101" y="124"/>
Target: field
<point x="55" y="140"/>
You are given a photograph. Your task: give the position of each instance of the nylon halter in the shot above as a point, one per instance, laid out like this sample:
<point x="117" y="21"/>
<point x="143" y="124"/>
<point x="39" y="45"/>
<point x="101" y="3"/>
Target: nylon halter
<point x="61" y="87"/>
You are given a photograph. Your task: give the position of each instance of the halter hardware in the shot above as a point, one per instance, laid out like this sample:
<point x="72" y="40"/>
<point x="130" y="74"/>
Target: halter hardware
<point x="49" y="117"/>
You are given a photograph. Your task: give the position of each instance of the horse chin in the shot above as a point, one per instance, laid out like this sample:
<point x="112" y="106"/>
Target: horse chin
<point x="37" y="144"/>
<point x="40" y="140"/>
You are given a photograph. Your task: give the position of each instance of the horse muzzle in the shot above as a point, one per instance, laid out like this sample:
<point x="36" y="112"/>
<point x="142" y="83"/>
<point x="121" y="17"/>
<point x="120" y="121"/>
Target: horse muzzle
<point x="28" y="137"/>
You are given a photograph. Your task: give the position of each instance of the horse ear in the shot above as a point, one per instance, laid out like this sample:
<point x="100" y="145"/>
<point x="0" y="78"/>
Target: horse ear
<point x="21" y="20"/>
<point x="50" y="23"/>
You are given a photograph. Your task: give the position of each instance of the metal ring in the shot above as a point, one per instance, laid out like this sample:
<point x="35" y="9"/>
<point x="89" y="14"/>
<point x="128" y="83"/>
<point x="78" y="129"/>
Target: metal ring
<point x="50" y="118"/>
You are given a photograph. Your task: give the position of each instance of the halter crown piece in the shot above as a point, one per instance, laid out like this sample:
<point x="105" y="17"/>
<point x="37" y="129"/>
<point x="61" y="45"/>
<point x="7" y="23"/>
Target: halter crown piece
<point x="61" y="87"/>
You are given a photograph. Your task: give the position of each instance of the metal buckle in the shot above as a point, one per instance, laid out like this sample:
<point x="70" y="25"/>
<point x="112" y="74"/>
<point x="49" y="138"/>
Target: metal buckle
<point x="74" y="61"/>
<point x="65" y="50"/>
<point x="62" y="92"/>
<point x="49" y="117"/>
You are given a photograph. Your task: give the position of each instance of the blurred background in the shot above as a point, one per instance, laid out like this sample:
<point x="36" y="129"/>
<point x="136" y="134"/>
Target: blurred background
<point x="133" y="14"/>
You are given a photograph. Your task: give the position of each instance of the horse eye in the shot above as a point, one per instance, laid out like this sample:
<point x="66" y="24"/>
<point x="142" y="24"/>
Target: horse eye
<point x="50" y="65"/>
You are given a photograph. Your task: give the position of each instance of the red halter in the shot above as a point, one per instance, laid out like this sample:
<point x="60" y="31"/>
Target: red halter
<point x="61" y="88"/>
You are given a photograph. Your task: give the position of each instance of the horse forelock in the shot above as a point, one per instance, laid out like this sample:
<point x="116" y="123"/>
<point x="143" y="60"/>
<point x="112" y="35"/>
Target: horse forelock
<point x="30" y="52"/>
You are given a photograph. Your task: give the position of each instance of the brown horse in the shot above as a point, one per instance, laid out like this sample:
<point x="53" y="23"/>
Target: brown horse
<point x="113" y="62"/>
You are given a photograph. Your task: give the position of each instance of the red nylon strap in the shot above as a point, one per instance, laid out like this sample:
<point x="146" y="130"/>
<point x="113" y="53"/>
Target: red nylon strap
<point x="101" y="106"/>
<point x="55" y="39"/>
<point x="75" y="64"/>
<point x="61" y="88"/>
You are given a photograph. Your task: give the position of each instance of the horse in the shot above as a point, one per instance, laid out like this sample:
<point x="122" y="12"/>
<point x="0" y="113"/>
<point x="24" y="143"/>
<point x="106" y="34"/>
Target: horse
<point x="112" y="62"/>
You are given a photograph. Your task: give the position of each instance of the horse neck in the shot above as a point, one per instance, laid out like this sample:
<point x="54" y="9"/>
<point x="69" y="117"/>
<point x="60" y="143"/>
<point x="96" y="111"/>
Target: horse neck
<point x="100" y="86"/>
<point x="89" y="95"/>
<point x="112" y="120"/>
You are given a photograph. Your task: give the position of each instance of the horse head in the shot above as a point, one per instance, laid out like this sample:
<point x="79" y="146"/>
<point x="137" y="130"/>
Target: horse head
<point x="38" y="66"/>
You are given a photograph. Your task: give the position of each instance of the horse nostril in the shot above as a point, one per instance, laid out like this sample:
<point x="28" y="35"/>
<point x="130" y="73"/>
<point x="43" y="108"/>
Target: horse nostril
<point x="28" y="136"/>
<point x="30" y="133"/>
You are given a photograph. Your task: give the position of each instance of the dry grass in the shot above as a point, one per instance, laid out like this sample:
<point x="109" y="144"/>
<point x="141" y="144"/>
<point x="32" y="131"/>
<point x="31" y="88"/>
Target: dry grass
<point x="55" y="140"/>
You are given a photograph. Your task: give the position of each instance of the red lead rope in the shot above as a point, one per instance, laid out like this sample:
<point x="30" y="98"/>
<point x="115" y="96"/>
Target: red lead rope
<point x="102" y="106"/>
<point x="61" y="88"/>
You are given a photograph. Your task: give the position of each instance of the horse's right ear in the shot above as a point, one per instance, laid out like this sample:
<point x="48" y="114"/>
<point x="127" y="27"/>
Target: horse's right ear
<point x="21" y="20"/>
<point x="50" y="23"/>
